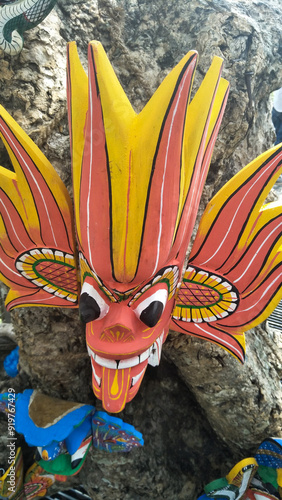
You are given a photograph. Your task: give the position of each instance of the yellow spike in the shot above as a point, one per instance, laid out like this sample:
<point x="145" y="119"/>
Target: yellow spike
<point x="266" y="213"/>
<point x="51" y="177"/>
<point x="9" y="181"/>
<point x="77" y="110"/>
<point x="232" y="186"/>
<point x="119" y="123"/>
<point x="197" y="116"/>
<point x="8" y="185"/>
<point x="145" y="134"/>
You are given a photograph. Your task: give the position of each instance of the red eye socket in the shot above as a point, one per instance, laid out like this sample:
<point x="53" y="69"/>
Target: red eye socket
<point x="150" y="309"/>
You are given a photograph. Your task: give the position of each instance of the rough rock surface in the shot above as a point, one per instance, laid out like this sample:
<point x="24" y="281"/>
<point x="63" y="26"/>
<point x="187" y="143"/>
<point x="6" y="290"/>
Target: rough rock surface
<point x="200" y="411"/>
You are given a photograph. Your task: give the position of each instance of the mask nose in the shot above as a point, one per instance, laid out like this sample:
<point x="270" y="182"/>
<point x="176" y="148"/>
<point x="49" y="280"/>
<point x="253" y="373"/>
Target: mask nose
<point x="117" y="333"/>
<point x="119" y="325"/>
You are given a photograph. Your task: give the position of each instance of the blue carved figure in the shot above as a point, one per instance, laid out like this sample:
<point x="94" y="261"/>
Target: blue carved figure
<point x="63" y="431"/>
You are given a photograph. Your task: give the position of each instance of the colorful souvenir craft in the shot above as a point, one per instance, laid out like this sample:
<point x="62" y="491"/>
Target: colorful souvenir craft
<point x="258" y="478"/>
<point x="37" y="482"/>
<point x="18" y="16"/>
<point x="11" y="363"/>
<point x="63" y="431"/>
<point x="269" y="459"/>
<point x="15" y="486"/>
<point x="234" y="485"/>
<point x="137" y="181"/>
<point x="11" y="481"/>
<point x="113" y="435"/>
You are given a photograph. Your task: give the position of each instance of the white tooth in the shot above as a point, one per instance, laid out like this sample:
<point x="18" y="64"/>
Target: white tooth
<point x="70" y="299"/>
<point x="190" y="269"/>
<point x="156" y="279"/>
<point x="144" y="355"/>
<point x="203" y="274"/>
<point x="59" y="254"/>
<point x="90" y="352"/>
<point x="227" y="285"/>
<point x="25" y="275"/>
<point x="232" y="307"/>
<point x="160" y="340"/>
<point x="49" y="289"/>
<point x="210" y="318"/>
<point x="128" y="363"/>
<point x="41" y="284"/>
<point x="24" y="257"/>
<point x="216" y="278"/>
<point x="137" y="377"/>
<point x="35" y="252"/>
<point x="47" y="251"/>
<point x="222" y="315"/>
<point x="155" y="356"/>
<point x="98" y="379"/>
<point x="107" y="363"/>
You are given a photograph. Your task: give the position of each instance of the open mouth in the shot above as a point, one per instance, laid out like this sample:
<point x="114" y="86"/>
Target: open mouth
<point x="116" y="381"/>
<point x="152" y="354"/>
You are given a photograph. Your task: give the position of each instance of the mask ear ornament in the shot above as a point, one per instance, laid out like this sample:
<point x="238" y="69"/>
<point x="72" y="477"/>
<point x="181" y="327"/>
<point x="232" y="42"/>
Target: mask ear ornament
<point x="37" y="252"/>
<point x="233" y="278"/>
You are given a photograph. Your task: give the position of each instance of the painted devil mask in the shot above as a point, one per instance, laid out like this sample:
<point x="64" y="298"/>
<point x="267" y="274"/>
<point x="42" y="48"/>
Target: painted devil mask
<point x="137" y="182"/>
<point x="135" y="209"/>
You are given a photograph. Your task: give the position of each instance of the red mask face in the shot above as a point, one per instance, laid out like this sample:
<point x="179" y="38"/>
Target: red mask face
<point x="125" y="332"/>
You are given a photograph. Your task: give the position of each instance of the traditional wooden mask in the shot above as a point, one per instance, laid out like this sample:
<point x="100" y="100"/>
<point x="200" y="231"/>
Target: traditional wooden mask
<point x="137" y="182"/>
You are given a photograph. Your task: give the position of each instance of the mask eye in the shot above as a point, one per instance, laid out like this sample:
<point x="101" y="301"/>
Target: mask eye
<point x="150" y="310"/>
<point x="91" y="305"/>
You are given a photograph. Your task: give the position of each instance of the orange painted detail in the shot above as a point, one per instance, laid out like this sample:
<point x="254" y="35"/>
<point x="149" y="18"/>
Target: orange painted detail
<point x="115" y="387"/>
<point x="197" y="295"/>
<point x="57" y="274"/>
<point x="117" y="333"/>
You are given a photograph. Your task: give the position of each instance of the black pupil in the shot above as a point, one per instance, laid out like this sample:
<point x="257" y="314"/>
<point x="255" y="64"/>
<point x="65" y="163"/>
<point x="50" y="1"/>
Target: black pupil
<point x="88" y="308"/>
<point x="151" y="315"/>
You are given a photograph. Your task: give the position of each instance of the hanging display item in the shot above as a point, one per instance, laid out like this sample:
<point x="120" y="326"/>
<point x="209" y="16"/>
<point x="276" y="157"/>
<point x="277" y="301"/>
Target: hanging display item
<point x="137" y="183"/>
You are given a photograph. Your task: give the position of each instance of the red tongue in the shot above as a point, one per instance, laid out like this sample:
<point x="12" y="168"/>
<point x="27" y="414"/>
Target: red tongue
<point x="115" y="387"/>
